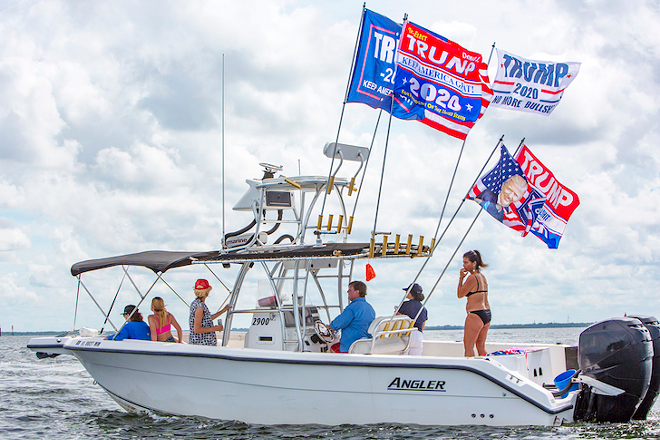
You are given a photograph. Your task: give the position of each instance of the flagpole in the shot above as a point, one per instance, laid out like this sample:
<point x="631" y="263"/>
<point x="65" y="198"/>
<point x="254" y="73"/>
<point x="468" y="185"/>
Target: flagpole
<point x="460" y="154"/>
<point x="223" y="152"/>
<point x="451" y="184"/>
<point x="387" y="140"/>
<point x="492" y="48"/>
<point x="382" y="173"/>
<point x="343" y="107"/>
<point x="475" y="217"/>
<point x="463" y="201"/>
<point x="428" y="258"/>
<point x="452" y="256"/>
<point x="364" y="173"/>
<point x="522" y="141"/>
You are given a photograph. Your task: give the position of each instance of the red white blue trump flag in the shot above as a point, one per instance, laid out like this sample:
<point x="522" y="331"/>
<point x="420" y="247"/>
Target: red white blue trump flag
<point x="547" y="220"/>
<point x="529" y="85"/>
<point x="432" y="79"/>
<point x="438" y="82"/>
<point x="524" y="195"/>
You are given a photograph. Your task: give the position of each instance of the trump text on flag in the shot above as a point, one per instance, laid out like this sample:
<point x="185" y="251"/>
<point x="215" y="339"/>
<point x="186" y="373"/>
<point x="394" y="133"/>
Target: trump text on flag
<point x="529" y="85"/>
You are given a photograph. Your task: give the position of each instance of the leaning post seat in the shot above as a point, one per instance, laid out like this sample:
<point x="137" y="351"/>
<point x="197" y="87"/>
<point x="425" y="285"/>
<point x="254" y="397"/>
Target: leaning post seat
<point x="391" y="335"/>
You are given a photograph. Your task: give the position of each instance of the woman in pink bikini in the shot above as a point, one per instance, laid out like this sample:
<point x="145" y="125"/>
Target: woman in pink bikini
<point x="161" y="322"/>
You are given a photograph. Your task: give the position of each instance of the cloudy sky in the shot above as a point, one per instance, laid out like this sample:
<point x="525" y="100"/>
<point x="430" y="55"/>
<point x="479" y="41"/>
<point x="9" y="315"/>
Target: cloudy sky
<point x="111" y="135"/>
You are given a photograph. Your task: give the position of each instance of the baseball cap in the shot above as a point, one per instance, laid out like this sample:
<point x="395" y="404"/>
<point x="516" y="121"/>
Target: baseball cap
<point x="201" y="284"/>
<point x="414" y="288"/>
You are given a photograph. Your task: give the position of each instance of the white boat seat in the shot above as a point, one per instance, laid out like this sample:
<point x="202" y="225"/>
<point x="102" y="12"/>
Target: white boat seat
<point x="391" y="335"/>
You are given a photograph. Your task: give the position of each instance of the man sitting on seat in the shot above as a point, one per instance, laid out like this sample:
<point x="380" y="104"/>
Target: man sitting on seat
<point x="356" y="318"/>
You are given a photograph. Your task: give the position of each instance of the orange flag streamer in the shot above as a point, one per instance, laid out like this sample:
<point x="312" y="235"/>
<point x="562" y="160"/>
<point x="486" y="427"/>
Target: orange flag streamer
<point x="371" y="273"/>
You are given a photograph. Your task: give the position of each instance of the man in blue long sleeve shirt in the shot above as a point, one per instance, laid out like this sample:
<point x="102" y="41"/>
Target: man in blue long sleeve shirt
<point x="356" y="318"/>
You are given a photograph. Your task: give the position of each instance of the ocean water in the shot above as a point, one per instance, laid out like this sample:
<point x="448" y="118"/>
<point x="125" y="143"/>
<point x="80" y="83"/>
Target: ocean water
<point x="56" y="399"/>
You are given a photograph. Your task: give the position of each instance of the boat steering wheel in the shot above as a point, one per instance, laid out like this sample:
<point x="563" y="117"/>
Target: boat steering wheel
<point x="325" y="332"/>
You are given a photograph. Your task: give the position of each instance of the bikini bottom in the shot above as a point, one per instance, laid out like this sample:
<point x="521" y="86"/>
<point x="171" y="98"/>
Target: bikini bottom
<point x="483" y="314"/>
<point x="171" y="339"/>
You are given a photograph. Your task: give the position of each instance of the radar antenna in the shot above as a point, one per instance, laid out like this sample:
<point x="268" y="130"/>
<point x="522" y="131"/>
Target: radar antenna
<point x="270" y="170"/>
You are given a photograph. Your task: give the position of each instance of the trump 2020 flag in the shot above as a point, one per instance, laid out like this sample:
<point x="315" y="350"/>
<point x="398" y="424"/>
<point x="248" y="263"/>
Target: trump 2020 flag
<point x="524" y="195"/>
<point x="374" y="67"/>
<point x="529" y="85"/>
<point x="438" y="82"/>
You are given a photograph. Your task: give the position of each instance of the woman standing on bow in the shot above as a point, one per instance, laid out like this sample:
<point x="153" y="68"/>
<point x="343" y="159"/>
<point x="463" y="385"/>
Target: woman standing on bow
<point x="475" y="289"/>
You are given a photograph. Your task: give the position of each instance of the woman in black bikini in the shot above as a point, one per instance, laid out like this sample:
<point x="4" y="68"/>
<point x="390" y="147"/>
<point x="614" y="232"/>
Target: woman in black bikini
<point x="475" y="289"/>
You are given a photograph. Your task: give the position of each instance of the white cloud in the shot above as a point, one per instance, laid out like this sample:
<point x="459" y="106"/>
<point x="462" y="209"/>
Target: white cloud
<point x="12" y="239"/>
<point x="110" y="143"/>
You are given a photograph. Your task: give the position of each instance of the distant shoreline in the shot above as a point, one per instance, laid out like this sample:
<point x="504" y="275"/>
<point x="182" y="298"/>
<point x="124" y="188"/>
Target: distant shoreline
<point x="514" y="326"/>
<point x="430" y="327"/>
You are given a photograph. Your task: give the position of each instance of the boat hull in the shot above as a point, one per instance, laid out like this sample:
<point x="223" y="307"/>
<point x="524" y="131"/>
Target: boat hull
<point x="265" y="387"/>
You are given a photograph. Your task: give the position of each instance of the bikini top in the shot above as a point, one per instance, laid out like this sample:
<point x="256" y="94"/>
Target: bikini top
<point x="477" y="291"/>
<point x="163" y="329"/>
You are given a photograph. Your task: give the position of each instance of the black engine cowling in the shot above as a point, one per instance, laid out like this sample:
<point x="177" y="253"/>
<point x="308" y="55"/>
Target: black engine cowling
<point x="653" y="326"/>
<point x="618" y="352"/>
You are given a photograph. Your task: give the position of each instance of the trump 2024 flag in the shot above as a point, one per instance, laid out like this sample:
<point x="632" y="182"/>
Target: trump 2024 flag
<point x="438" y="82"/>
<point x="529" y="85"/>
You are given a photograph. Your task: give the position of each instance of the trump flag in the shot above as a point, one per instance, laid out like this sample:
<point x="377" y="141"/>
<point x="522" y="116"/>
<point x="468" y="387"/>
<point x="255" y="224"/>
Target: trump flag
<point x="498" y="188"/>
<point x="438" y="82"/>
<point x="524" y="195"/>
<point x="547" y="220"/>
<point x="529" y="85"/>
<point x="372" y="79"/>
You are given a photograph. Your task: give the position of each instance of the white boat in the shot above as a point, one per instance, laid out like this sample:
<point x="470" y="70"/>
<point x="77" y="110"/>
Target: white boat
<point x="281" y="370"/>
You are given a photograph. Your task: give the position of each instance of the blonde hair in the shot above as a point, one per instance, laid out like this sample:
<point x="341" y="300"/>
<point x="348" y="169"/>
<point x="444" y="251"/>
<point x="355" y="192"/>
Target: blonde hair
<point x="159" y="309"/>
<point x="202" y="293"/>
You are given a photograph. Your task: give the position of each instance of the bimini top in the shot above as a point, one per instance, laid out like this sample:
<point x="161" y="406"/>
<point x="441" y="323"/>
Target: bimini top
<point x="158" y="261"/>
<point x="161" y="261"/>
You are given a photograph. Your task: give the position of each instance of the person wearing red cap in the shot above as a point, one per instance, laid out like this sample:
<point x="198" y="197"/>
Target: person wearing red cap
<point x="202" y="330"/>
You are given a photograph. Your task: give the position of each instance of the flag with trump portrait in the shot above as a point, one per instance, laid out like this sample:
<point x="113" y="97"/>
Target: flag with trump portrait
<point x="524" y="195"/>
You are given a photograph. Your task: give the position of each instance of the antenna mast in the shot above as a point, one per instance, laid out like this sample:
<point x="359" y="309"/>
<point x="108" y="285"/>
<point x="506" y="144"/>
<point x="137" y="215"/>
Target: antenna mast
<point x="223" y="151"/>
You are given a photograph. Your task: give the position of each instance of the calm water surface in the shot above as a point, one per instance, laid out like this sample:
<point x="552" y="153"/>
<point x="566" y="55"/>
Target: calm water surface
<point x="57" y="399"/>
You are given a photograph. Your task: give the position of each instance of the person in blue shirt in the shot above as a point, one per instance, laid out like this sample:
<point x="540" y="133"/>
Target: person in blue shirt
<point x="136" y="328"/>
<point x="356" y="318"/>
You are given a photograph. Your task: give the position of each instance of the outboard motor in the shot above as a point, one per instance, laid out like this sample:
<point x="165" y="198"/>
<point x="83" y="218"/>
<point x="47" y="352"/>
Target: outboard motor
<point x="653" y="326"/>
<point x="617" y="352"/>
